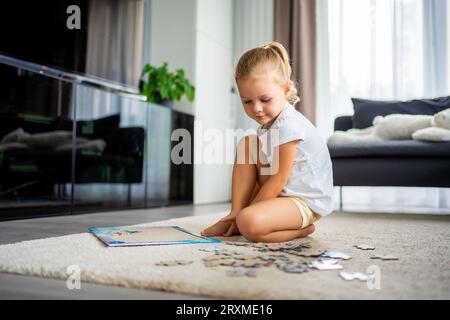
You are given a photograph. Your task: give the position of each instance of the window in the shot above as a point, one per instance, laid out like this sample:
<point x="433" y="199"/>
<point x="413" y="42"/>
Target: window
<point x="383" y="49"/>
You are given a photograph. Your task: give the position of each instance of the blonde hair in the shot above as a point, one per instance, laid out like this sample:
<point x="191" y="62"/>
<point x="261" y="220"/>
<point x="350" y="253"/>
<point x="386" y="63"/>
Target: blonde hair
<point x="273" y="53"/>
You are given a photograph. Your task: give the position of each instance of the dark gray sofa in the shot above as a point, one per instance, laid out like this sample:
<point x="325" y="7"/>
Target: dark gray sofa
<point x="406" y="163"/>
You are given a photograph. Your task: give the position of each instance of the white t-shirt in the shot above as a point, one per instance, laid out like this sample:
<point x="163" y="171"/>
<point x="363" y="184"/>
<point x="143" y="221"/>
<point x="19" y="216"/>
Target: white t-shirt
<point x="311" y="175"/>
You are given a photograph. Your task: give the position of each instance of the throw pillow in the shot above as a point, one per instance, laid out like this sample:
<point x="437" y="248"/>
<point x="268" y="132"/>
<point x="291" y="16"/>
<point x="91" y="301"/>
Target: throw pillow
<point x="432" y="134"/>
<point x="442" y="119"/>
<point x="400" y="126"/>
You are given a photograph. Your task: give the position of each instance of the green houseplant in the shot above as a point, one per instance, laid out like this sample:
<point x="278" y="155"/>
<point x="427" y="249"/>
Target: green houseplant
<point x="159" y="84"/>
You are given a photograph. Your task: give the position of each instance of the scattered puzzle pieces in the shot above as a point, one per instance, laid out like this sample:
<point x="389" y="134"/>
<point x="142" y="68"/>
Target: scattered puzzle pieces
<point x="289" y="257"/>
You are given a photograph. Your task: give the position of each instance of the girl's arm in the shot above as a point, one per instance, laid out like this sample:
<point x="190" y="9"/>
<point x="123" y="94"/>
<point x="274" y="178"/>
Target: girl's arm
<point x="273" y="186"/>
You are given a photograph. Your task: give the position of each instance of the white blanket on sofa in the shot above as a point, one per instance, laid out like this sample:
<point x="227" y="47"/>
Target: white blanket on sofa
<point x="399" y="127"/>
<point x="55" y="140"/>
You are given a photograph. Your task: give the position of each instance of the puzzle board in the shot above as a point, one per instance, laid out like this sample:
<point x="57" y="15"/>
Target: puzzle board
<point x="147" y="236"/>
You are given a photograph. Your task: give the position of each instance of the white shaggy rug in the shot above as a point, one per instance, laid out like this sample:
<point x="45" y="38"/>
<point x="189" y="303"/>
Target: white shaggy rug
<point x="421" y="272"/>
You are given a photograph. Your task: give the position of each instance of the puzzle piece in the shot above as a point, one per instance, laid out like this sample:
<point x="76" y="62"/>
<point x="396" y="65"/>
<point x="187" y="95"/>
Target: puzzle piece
<point x="251" y="263"/>
<point x="277" y="249"/>
<point x="348" y="276"/>
<point x="239" y="244"/>
<point x="227" y="262"/>
<point x="306" y="253"/>
<point x="383" y="257"/>
<point x="227" y="254"/>
<point x="287" y="246"/>
<point x="336" y="254"/>
<point x="292" y="267"/>
<point x="219" y="262"/>
<point x="299" y="248"/>
<point x="364" y="246"/>
<point x="212" y="249"/>
<point x="170" y="263"/>
<point x="279" y="246"/>
<point x="300" y="245"/>
<point x="247" y="244"/>
<point x="211" y="258"/>
<point x="273" y="257"/>
<point x="325" y="264"/>
<point x="238" y="272"/>
<point x="305" y="244"/>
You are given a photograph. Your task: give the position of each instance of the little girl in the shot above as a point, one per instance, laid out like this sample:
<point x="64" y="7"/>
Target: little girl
<point x="282" y="177"/>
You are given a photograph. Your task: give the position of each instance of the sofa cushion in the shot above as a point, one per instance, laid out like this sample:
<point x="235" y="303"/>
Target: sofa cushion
<point x="432" y="134"/>
<point x="396" y="171"/>
<point x="366" y="110"/>
<point x="394" y="148"/>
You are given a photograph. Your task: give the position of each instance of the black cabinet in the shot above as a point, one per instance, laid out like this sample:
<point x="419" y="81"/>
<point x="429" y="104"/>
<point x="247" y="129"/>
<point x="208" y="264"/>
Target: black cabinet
<point x="70" y="148"/>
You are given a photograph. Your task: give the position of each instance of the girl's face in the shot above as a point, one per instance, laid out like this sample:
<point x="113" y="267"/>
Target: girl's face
<point x="263" y="99"/>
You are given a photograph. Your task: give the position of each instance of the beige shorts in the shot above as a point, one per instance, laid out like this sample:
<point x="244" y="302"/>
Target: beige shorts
<point x="308" y="215"/>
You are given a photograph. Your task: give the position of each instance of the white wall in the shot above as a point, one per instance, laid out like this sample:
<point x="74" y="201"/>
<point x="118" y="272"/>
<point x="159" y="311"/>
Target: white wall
<point x="252" y="27"/>
<point x="173" y="39"/>
<point x="212" y="182"/>
<point x="448" y="46"/>
<point x="205" y="37"/>
<point x="225" y="29"/>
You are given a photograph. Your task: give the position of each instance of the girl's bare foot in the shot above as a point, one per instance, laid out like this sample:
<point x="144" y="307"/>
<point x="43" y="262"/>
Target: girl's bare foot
<point x="307" y="231"/>
<point x="217" y="229"/>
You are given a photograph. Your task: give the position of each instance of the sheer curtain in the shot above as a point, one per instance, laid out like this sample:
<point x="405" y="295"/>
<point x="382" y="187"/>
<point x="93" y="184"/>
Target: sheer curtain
<point x="115" y="51"/>
<point x="116" y="40"/>
<point x="388" y="50"/>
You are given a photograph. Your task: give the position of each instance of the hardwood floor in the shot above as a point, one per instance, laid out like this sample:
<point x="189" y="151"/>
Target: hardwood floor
<point x="25" y="287"/>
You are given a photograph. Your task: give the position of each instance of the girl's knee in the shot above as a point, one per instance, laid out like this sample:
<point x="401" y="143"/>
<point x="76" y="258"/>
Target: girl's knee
<point x="250" y="225"/>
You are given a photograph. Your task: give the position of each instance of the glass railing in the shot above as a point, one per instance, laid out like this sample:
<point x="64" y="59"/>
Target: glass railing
<point x="71" y="77"/>
<point x="117" y="156"/>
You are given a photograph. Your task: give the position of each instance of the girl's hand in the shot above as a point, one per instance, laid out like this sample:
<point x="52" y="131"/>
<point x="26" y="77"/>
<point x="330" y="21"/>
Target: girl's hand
<point x="233" y="229"/>
<point x="231" y="217"/>
<point x="220" y="228"/>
